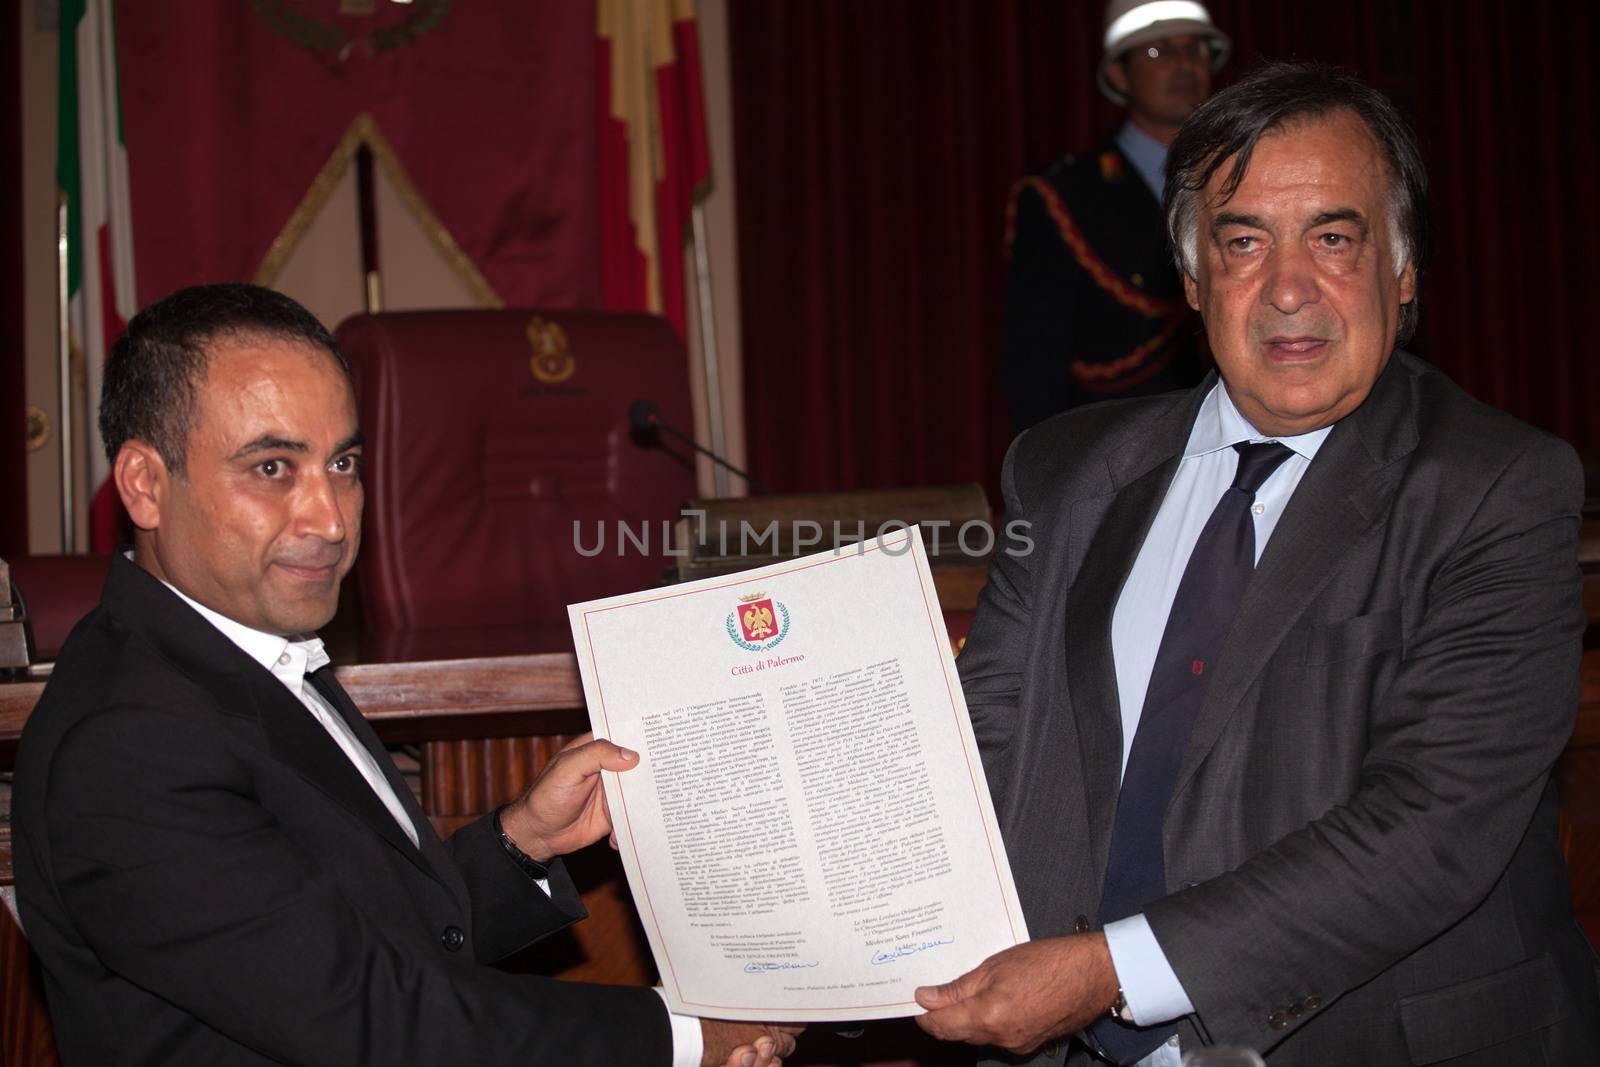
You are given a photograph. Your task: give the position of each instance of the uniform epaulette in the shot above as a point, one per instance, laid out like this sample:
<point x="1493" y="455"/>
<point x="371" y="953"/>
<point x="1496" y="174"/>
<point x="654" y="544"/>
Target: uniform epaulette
<point x="1110" y="166"/>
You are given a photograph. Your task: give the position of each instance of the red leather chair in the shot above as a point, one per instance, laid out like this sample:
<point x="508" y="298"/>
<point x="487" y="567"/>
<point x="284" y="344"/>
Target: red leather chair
<point x="494" y="438"/>
<point x="491" y="436"/>
<point x="58" y="591"/>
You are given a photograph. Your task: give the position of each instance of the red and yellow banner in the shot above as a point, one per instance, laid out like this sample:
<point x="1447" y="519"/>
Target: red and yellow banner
<point x="654" y="161"/>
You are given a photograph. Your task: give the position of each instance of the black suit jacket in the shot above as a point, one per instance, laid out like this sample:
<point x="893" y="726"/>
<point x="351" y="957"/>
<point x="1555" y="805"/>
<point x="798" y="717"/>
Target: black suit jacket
<point x="207" y="879"/>
<point x="1361" y="849"/>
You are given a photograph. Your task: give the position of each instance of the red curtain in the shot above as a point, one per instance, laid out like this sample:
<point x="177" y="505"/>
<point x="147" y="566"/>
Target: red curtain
<point x="231" y="110"/>
<point x="875" y="144"/>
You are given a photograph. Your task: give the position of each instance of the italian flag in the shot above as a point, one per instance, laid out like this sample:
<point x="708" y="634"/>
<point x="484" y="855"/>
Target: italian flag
<point x="92" y="177"/>
<point x="654" y="159"/>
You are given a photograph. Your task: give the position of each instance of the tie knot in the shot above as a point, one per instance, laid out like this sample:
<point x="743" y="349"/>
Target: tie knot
<point x="1257" y="462"/>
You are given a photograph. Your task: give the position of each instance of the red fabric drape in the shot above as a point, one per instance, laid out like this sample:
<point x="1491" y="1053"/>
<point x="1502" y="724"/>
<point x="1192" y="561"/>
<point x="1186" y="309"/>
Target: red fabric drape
<point x="875" y="144"/>
<point x="686" y="159"/>
<point x="492" y="113"/>
<point x="652" y="130"/>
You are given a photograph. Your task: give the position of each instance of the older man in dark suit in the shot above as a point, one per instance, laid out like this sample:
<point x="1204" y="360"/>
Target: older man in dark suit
<point x="216" y="860"/>
<point x="1270" y="712"/>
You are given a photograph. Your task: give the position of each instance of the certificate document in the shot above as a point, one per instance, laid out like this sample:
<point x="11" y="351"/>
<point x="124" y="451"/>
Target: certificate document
<point x="808" y="834"/>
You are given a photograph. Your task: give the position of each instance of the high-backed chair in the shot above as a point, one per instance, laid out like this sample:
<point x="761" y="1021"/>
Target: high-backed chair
<point x="501" y="472"/>
<point x="58" y="591"/>
<point x="498" y="444"/>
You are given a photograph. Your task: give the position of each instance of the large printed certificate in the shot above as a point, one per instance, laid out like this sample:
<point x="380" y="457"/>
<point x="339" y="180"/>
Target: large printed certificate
<point x="808" y="835"/>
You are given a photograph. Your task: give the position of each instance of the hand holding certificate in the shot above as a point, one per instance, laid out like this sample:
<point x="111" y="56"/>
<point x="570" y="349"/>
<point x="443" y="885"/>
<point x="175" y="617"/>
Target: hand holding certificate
<point x="808" y="835"/>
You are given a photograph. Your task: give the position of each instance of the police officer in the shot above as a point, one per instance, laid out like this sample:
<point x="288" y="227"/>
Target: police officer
<point x="1094" y="308"/>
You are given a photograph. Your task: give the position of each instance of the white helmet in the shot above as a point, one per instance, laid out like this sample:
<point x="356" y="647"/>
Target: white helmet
<point x="1130" y="23"/>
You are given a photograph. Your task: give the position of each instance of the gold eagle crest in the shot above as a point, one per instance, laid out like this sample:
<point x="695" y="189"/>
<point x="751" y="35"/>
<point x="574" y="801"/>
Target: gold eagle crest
<point x="758" y="622"/>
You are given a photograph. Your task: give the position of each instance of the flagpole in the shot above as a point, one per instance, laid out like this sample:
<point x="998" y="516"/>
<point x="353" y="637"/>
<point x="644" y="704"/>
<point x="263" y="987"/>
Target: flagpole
<point x="708" y="347"/>
<point x="367" y="214"/>
<point x="68" y="428"/>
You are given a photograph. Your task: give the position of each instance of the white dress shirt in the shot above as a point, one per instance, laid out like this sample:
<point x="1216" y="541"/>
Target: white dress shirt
<point x="290" y="661"/>
<point x="1205" y="472"/>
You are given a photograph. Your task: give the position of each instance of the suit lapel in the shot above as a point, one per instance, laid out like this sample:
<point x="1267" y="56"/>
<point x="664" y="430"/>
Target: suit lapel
<point x="1344" y="493"/>
<point x="297" y="740"/>
<point x="428" y="842"/>
<point x="1091" y="667"/>
<point x="1140" y="466"/>
<point x="241" y="688"/>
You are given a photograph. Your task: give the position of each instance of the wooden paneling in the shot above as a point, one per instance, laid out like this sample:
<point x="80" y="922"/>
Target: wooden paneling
<point x="468" y="778"/>
<point x="462" y="780"/>
<point x="25" y="1037"/>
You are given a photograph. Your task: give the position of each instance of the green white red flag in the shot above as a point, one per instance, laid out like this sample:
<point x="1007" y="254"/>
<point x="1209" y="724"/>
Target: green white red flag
<point x="92" y="177"/>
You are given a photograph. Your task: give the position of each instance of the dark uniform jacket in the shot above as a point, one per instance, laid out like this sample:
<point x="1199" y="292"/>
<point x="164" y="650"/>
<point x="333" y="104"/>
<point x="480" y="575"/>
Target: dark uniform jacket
<point x="1094" y="305"/>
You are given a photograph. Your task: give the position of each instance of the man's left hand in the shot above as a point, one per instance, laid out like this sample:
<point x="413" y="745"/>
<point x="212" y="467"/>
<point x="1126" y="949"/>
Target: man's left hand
<point x="565" y="808"/>
<point x="1027" y="995"/>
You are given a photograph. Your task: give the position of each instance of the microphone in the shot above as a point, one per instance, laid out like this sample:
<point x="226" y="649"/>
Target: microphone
<point x="645" y="417"/>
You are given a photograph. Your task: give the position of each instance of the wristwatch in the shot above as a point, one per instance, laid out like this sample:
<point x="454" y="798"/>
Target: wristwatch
<point x="530" y="866"/>
<point x="1119" y="1009"/>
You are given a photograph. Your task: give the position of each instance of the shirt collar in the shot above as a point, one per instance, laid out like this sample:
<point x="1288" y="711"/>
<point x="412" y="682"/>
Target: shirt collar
<point x="289" y="660"/>
<point x="1148" y="155"/>
<point x="1220" y="425"/>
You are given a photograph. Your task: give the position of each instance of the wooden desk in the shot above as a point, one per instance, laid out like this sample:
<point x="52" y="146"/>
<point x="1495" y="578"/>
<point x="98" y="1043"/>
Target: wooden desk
<point x="419" y="686"/>
<point x="422" y="700"/>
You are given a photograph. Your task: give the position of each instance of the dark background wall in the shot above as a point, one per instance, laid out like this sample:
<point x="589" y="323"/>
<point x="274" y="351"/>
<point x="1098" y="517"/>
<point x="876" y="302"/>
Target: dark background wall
<point x="876" y="143"/>
<point x="13" y="431"/>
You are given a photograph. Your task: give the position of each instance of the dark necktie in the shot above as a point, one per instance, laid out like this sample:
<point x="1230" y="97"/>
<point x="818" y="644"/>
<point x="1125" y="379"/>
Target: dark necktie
<point x="1208" y="598"/>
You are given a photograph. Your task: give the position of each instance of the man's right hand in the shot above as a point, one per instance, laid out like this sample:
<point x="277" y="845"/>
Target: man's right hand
<point x="730" y="1044"/>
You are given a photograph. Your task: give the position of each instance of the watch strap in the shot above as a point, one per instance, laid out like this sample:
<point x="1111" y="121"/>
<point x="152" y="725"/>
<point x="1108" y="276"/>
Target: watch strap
<point x="539" y="872"/>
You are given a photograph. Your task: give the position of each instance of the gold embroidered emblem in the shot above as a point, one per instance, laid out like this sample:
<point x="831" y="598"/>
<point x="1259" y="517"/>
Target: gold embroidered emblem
<point x="551" y="361"/>
<point x="300" y="22"/>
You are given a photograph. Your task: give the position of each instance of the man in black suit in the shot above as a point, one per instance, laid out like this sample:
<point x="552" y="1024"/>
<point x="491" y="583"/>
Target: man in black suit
<point x="217" y="862"/>
<point x="1094" y="307"/>
<point x="1270" y="712"/>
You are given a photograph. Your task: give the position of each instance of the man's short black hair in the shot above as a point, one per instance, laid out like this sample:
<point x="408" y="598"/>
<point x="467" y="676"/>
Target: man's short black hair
<point x="154" y="371"/>
<point x="1267" y="100"/>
